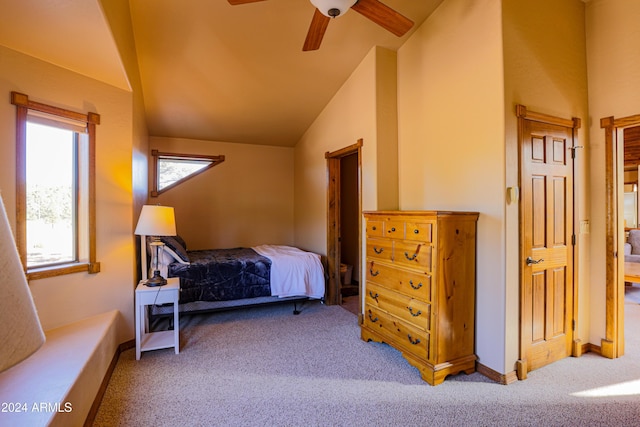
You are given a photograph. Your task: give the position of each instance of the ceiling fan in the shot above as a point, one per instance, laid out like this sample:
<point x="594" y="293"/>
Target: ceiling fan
<point x="374" y="10"/>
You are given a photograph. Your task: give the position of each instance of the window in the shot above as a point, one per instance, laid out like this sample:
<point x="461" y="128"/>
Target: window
<point x="55" y="206"/>
<point x="170" y="169"/>
<point x="51" y="154"/>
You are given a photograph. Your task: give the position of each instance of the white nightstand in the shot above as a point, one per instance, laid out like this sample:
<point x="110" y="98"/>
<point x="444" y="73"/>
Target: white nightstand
<point x="145" y="296"/>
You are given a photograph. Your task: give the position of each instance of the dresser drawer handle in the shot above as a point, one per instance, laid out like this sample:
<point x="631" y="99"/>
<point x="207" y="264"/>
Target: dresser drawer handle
<point x="374" y="228"/>
<point x="412" y="341"/>
<point x="375" y="297"/>
<point x="411" y="258"/>
<point x="412" y="313"/>
<point x="373" y="320"/>
<point x="378" y="251"/>
<point x="373" y="274"/>
<point x="393" y="229"/>
<point x="416" y="231"/>
<point x="416" y="287"/>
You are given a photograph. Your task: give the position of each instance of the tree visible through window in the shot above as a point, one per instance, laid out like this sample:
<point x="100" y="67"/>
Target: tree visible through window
<point x="171" y="169"/>
<point x="55" y="189"/>
<point x="51" y="195"/>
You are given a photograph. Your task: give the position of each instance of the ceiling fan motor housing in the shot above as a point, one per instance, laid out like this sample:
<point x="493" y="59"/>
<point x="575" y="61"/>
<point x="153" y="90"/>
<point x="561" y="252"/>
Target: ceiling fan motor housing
<point x="333" y="8"/>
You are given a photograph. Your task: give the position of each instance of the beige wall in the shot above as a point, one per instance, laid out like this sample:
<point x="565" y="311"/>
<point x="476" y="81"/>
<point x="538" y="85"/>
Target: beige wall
<point x="547" y="77"/>
<point x="451" y="141"/>
<point x="613" y="63"/>
<point x="354" y="113"/>
<point x="386" y="76"/>
<point x="245" y="201"/>
<point x="119" y="18"/>
<point x="64" y="299"/>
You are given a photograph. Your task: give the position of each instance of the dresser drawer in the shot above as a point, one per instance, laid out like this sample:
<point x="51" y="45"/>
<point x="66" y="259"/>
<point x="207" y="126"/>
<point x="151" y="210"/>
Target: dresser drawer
<point x="413" y="284"/>
<point x="396" y="332"/>
<point x="394" y="229"/>
<point x="414" y="255"/>
<point x="419" y="231"/>
<point x="375" y="228"/>
<point x="414" y="311"/>
<point x="380" y="248"/>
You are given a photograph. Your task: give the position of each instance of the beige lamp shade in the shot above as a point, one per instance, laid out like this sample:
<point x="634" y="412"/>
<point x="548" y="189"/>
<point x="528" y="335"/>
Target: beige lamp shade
<point x="21" y="333"/>
<point x="156" y="220"/>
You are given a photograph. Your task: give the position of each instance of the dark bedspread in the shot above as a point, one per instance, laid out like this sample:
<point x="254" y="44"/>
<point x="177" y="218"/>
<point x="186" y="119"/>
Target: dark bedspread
<point x="223" y="275"/>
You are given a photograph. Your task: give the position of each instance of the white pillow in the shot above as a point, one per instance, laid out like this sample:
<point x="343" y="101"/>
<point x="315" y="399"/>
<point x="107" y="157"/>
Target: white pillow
<point x="169" y="256"/>
<point x="166" y="258"/>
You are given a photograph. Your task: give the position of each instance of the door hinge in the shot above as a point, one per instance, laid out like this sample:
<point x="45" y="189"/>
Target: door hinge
<point x="573" y="150"/>
<point x="573" y="325"/>
<point x="573" y="239"/>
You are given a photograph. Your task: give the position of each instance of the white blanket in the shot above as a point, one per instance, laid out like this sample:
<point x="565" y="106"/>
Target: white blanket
<point x="294" y="272"/>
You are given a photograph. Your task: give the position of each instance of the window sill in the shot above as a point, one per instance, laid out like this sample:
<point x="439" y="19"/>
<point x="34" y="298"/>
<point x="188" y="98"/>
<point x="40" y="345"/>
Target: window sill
<point x="60" y="270"/>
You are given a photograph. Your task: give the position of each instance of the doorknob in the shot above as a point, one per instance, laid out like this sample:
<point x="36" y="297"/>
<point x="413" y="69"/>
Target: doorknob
<point x="530" y="261"/>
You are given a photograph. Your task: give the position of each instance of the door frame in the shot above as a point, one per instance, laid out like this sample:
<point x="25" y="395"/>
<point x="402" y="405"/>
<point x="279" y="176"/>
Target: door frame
<point x="612" y="346"/>
<point x="574" y="123"/>
<point x="333" y="296"/>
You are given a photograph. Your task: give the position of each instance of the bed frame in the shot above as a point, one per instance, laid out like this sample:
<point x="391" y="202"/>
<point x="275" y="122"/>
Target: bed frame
<point x="200" y="307"/>
<point x="203" y="307"/>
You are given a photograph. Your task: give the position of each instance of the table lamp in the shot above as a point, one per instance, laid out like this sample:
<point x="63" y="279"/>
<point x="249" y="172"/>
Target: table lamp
<point x="155" y="221"/>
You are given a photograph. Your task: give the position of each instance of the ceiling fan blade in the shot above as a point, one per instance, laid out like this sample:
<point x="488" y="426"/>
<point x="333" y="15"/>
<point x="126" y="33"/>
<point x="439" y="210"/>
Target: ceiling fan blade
<point x="316" y="31"/>
<point x="235" y="2"/>
<point x="384" y="16"/>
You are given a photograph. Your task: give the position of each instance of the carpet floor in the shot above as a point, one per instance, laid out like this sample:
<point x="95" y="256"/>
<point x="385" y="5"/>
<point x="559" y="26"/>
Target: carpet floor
<point x="265" y="367"/>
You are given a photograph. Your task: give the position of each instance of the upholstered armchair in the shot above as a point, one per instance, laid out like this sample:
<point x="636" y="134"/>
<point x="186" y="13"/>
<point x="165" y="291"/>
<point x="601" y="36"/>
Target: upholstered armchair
<point x="632" y="246"/>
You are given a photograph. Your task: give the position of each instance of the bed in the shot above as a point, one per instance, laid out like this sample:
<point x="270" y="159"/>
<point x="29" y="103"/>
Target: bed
<point x="215" y="279"/>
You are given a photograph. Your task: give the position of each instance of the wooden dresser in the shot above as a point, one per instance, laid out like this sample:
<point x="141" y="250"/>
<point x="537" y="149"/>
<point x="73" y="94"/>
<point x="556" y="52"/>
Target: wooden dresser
<point x="420" y="288"/>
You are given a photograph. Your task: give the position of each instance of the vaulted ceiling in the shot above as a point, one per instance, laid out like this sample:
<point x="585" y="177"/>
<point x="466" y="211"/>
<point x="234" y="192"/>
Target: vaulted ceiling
<point x="210" y="70"/>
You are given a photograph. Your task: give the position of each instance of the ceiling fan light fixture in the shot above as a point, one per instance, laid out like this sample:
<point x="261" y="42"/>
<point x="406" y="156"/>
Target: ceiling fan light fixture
<point x="333" y="8"/>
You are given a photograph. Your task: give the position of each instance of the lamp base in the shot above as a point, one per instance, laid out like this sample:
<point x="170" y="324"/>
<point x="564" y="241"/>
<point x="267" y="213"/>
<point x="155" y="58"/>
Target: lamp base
<point x="156" y="280"/>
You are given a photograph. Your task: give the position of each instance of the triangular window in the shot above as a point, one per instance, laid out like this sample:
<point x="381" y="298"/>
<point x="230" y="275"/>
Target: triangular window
<point x="171" y="169"/>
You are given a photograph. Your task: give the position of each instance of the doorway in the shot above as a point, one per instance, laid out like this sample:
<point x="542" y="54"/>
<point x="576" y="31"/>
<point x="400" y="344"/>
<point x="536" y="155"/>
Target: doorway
<point x="612" y="346"/>
<point x="349" y="232"/>
<point x="547" y="294"/>
<point x="344" y="209"/>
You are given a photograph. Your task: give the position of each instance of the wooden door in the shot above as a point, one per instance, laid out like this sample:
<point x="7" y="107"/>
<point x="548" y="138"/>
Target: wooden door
<point x="332" y="294"/>
<point x="546" y="233"/>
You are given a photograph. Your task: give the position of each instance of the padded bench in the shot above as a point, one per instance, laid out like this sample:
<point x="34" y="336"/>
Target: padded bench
<point x="58" y="384"/>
